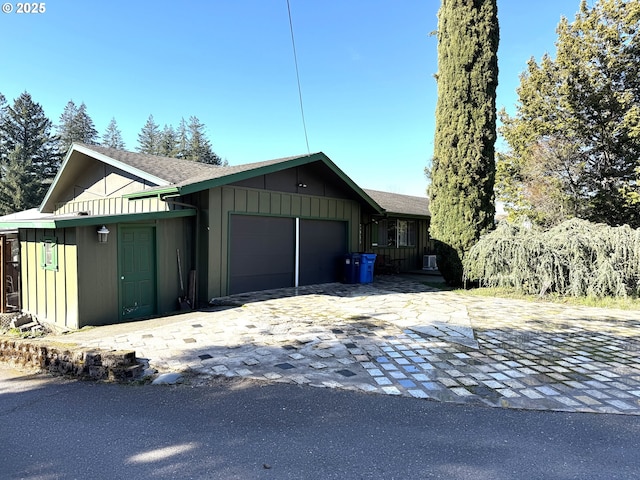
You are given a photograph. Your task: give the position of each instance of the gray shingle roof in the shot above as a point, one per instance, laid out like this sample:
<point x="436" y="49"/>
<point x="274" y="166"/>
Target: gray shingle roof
<point x="173" y="170"/>
<point x="221" y="172"/>
<point x="402" y="204"/>
<point x="180" y="173"/>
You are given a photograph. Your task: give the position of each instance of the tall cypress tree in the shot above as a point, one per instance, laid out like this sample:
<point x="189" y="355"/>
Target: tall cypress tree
<point x="463" y="166"/>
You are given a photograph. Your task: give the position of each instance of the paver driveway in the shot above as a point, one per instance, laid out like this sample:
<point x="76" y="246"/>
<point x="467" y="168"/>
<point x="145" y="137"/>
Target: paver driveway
<point x="400" y="337"/>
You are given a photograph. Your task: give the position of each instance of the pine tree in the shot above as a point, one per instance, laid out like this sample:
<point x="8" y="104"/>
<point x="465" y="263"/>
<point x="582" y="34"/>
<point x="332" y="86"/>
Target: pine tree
<point x="199" y="148"/>
<point x="76" y="126"/>
<point x="463" y="167"/>
<point x="29" y="155"/>
<point x="87" y="132"/>
<point x="65" y="128"/>
<point x="3" y="108"/>
<point x="3" y="105"/>
<point x="182" y="140"/>
<point x="149" y="137"/>
<point x="20" y="187"/>
<point x="112" y="136"/>
<point x="168" y="142"/>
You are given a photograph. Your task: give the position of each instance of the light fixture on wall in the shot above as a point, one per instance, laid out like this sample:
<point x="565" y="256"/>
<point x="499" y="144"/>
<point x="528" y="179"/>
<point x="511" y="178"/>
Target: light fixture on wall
<point x="103" y="232"/>
<point x="302" y="185"/>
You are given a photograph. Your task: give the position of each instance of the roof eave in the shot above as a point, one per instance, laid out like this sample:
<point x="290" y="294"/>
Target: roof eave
<point x="89" y="220"/>
<point x="156" y="192"/>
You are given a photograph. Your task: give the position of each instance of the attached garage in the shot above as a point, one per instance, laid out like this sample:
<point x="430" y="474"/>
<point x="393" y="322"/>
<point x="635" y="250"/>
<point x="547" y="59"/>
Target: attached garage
<point x="180" y="228"/>
<point x="275" y="252"/>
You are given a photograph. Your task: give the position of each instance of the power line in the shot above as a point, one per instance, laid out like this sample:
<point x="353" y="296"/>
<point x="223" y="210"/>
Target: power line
<point x="295" y="59"/>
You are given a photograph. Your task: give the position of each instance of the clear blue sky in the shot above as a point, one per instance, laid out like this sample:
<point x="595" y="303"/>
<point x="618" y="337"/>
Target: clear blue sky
<point x="366" y="69"/>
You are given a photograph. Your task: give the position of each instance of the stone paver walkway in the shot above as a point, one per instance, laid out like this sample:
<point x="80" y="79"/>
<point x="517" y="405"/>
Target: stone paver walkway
<point x="400" y="337"/>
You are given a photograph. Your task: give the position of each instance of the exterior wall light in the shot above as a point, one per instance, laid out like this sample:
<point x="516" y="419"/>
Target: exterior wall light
<point x="102" y="234"/>
<point x="302" y="185"/>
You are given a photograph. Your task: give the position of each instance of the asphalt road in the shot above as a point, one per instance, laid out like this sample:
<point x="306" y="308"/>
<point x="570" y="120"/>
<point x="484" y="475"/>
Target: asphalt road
<point x="66" y="429"/>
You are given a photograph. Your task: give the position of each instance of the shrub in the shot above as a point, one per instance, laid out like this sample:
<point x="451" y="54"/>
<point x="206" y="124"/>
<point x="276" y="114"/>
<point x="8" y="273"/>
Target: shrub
<point x="575" y="258"/>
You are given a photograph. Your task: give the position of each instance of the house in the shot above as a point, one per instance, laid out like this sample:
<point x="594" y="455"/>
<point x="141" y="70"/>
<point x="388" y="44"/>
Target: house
<point x="122" y="235"/>
<point x="400" y="235"/>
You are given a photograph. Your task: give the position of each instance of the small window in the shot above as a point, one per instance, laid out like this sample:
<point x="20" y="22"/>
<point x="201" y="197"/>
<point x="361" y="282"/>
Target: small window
<point x="49" y="254"/>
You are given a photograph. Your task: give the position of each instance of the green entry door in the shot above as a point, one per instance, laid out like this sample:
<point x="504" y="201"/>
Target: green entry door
<point x="137" y="272"/>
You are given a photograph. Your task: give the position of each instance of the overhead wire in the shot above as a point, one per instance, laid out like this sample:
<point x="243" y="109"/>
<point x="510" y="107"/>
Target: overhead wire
<point x="295" y="60"/>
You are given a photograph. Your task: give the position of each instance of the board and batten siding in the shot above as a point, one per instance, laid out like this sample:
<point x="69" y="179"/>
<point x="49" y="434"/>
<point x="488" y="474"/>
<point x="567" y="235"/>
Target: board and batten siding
<point x="113" y="206"/>
<point x="99" y="275"/>
<point x="84" y="288"/>
<point x="224" y="201"/>
<point x="50" y="295"/>
<point x="405" y="258"/>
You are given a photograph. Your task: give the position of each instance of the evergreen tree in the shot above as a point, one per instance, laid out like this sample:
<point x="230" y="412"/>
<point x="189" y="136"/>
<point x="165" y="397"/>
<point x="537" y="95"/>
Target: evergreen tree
<point x="576" y="134"/>
<point x="182" y="140"/>
<point x="65" y="128"/>
<point x="76" y="126"/>
<point x="199" y="147"/>
<point x="3" y="107"/>
<point x="149" y="137"/>
<point x="29" y="155"/>
<point x="112" y="136"/>
<point x="20" y="187"/>
<point x="463" y="167"/>
<point x="168" y="142"/>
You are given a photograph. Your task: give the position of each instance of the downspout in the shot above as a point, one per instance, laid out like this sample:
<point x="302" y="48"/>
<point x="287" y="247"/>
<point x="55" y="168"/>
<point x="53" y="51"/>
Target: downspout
<point x="196" y="242"/>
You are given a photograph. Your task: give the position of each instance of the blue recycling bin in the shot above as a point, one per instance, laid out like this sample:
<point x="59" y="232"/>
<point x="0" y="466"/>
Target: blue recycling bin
<point x="367" y="262"/>
<point x="351" y="268"/>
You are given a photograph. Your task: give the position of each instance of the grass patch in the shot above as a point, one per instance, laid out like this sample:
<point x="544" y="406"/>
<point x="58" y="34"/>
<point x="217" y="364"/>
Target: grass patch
<point x="629" y="303"/>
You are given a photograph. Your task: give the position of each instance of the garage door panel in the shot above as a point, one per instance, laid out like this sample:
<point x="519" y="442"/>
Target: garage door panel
<point x="322" y="245"/>
<point x="261" y="253"/>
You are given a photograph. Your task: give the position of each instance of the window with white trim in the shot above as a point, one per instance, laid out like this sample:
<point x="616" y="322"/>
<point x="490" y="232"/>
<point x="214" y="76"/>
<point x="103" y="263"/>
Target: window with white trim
<point x="394" y="233"/>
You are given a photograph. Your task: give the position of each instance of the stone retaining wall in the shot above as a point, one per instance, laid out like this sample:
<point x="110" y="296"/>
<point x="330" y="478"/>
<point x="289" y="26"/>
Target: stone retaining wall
<point x="69" y="360"/>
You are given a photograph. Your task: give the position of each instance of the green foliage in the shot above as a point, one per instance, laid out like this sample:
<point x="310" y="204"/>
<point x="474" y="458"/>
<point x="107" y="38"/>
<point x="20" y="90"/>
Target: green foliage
<point x="574" y="143"/>
<point x="112" y="136"/>
<point x="149" y="138"/>
<point x="575" y="258"/>
<point x="199" y="148"/>
<point x="463" y="167"/>
<point x="21" y="187"/>
<point x="168" y="146"/>
<point x="189" y="141"/>
<point x="29" y="154"/>
<point x="76" y="126"/>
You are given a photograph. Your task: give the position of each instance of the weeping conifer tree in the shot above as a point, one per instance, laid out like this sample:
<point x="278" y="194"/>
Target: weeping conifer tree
<point x="575" y="258"/>
<point x="463" y="166"/>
